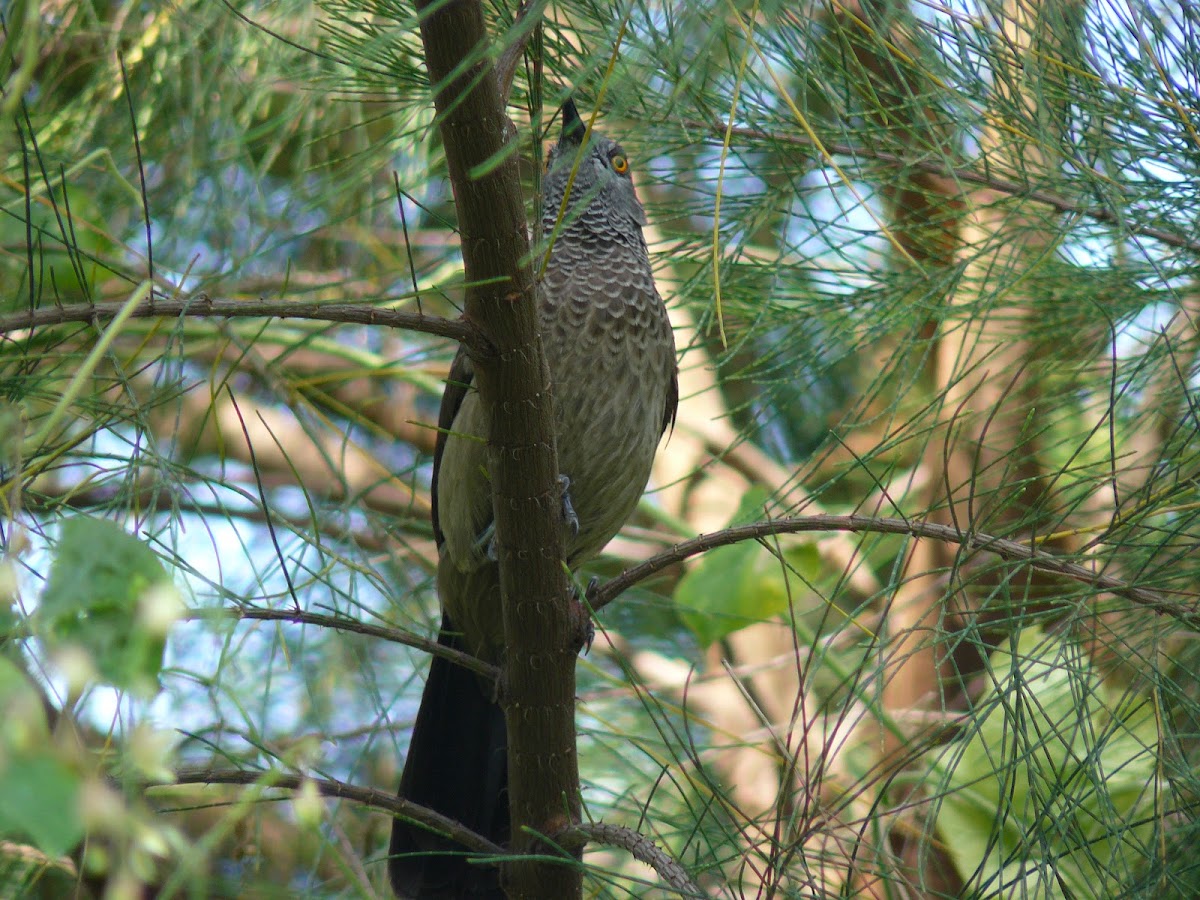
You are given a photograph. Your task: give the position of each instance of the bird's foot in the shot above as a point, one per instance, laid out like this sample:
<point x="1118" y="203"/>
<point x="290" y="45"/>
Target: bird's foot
<point x="568" y="508"/>
<point x="581" y="610"/>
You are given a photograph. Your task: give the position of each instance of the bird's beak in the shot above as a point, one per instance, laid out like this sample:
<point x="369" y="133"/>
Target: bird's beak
<point x="573" y="128"/>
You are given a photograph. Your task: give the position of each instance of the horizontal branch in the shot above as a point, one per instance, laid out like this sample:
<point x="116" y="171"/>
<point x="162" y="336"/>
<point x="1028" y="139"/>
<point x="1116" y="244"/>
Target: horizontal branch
<point x="1004" y="548"/>
<point x="153" y="498"/>
<point x="329" y="787"/>
<point x="638" y="845"/>
<point x="965" y="175"/>
<point x="344" y="623"/>
<point x="203" y="306"/>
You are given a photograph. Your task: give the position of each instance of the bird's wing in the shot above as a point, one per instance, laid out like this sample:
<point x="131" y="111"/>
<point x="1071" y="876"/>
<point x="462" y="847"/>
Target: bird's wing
<point x="672" y="406"/>
<point x="458" y="384"/>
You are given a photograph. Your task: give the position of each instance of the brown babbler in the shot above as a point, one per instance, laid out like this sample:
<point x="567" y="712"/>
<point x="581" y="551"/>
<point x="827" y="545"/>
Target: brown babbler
<point x="611" y="356"/>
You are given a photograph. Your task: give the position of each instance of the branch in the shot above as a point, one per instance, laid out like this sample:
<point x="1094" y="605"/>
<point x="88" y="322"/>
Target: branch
<point x="1012" y="551"/>
<point x="643" y="850"/>
<point x="637" y="845"/>
<point x="328" y="787"/>
<point x="528" y="18"/>
<point x="963" y="174"/>
<point x="153" y="498"/>
<point x="344" y="623"/>
<point x="339" y="313"/>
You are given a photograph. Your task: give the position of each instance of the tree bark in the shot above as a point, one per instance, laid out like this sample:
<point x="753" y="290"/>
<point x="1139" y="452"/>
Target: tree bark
<point x="538" y="678"/>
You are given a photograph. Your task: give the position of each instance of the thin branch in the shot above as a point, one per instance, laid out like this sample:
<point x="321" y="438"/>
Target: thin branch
<point x="354" y="626"/>
<point x="529" y="16"/>
<point x="644" y="850"/>
<point x="335" y="313"/>
<point x="963" y="174"/>
<point x="329" y="787"/>
<point x="637" y="845"/>
<point x="149" y="499"/>
<point x="1010" y="550"/>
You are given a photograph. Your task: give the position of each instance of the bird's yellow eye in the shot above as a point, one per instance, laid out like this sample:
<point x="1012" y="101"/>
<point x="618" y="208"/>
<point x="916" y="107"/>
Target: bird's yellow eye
<point x="619" y="163"/>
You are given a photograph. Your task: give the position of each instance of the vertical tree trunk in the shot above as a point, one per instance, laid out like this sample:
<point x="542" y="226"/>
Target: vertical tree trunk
<point x="538" y="682"/>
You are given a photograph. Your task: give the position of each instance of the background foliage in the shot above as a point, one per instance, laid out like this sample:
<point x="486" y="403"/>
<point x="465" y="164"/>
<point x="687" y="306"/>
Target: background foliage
<point x="933" y="262"/>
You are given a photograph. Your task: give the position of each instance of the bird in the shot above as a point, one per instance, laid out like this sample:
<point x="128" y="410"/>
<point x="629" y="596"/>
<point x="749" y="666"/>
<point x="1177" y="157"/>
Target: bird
<point x="611" y="357"/>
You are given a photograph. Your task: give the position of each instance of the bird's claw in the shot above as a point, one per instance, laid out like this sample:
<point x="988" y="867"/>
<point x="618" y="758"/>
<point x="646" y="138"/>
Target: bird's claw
<point x="589" y="635"/>
<point x="585" y="628"/>
<point x="568" y="508"/>
<point x="485" y="544"/>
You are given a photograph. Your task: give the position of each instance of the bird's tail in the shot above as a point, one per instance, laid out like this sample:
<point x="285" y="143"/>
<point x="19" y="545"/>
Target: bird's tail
<point x="457" y="765"/>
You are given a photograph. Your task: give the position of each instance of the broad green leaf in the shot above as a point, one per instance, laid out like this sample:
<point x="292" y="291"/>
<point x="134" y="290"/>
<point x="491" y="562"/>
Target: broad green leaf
<point x="39" y="801"/>
<point x="1054" y="787"/>
<point x="25" y="729"/>
<point x="99" y="580"/>
<point x="38" y="792"/>
<point x="738" y="585"/>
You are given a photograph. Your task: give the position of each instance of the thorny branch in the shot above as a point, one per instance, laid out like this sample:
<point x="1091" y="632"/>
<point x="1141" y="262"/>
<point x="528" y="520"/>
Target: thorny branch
<point x="643" y="850"/>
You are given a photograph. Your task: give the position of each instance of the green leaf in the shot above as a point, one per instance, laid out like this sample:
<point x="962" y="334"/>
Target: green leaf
<point x="39" y="801"/>
<point x="38" y="792"/>
<point x="1054" y="787"/>
<point x="741" y="584"/>
<point x="98" y="581"/>
<point x="25" y="729"/>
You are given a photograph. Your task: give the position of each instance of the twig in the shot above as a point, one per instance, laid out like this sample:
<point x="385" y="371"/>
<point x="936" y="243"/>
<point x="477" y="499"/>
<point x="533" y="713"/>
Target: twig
<point x="328" y="787"/>
<point x="1002" y="547"/>
<point x="529" y="16"/>
<point x="643" y="850"/>
<point x="344" y="623"/>
<point x="337" y="313"/>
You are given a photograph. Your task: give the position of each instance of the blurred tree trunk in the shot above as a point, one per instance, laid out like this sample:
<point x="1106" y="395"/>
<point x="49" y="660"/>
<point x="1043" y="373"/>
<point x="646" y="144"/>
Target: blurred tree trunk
<point x="986" y="473"/>
<point x="984" y="467"/>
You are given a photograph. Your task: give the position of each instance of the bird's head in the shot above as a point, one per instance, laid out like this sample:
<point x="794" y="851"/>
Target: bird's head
<point x="603" y="201"/>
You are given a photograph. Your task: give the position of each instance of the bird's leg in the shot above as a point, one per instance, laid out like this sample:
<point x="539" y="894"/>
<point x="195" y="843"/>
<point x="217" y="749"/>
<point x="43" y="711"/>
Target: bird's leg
<point x="568" y="508"/>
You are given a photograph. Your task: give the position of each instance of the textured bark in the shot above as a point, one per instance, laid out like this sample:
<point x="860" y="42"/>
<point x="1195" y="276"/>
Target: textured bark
<point x="538" y="689"/>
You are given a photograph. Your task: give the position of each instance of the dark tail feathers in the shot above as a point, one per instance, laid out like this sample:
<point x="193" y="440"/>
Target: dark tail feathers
<point x="458" y="765"/>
